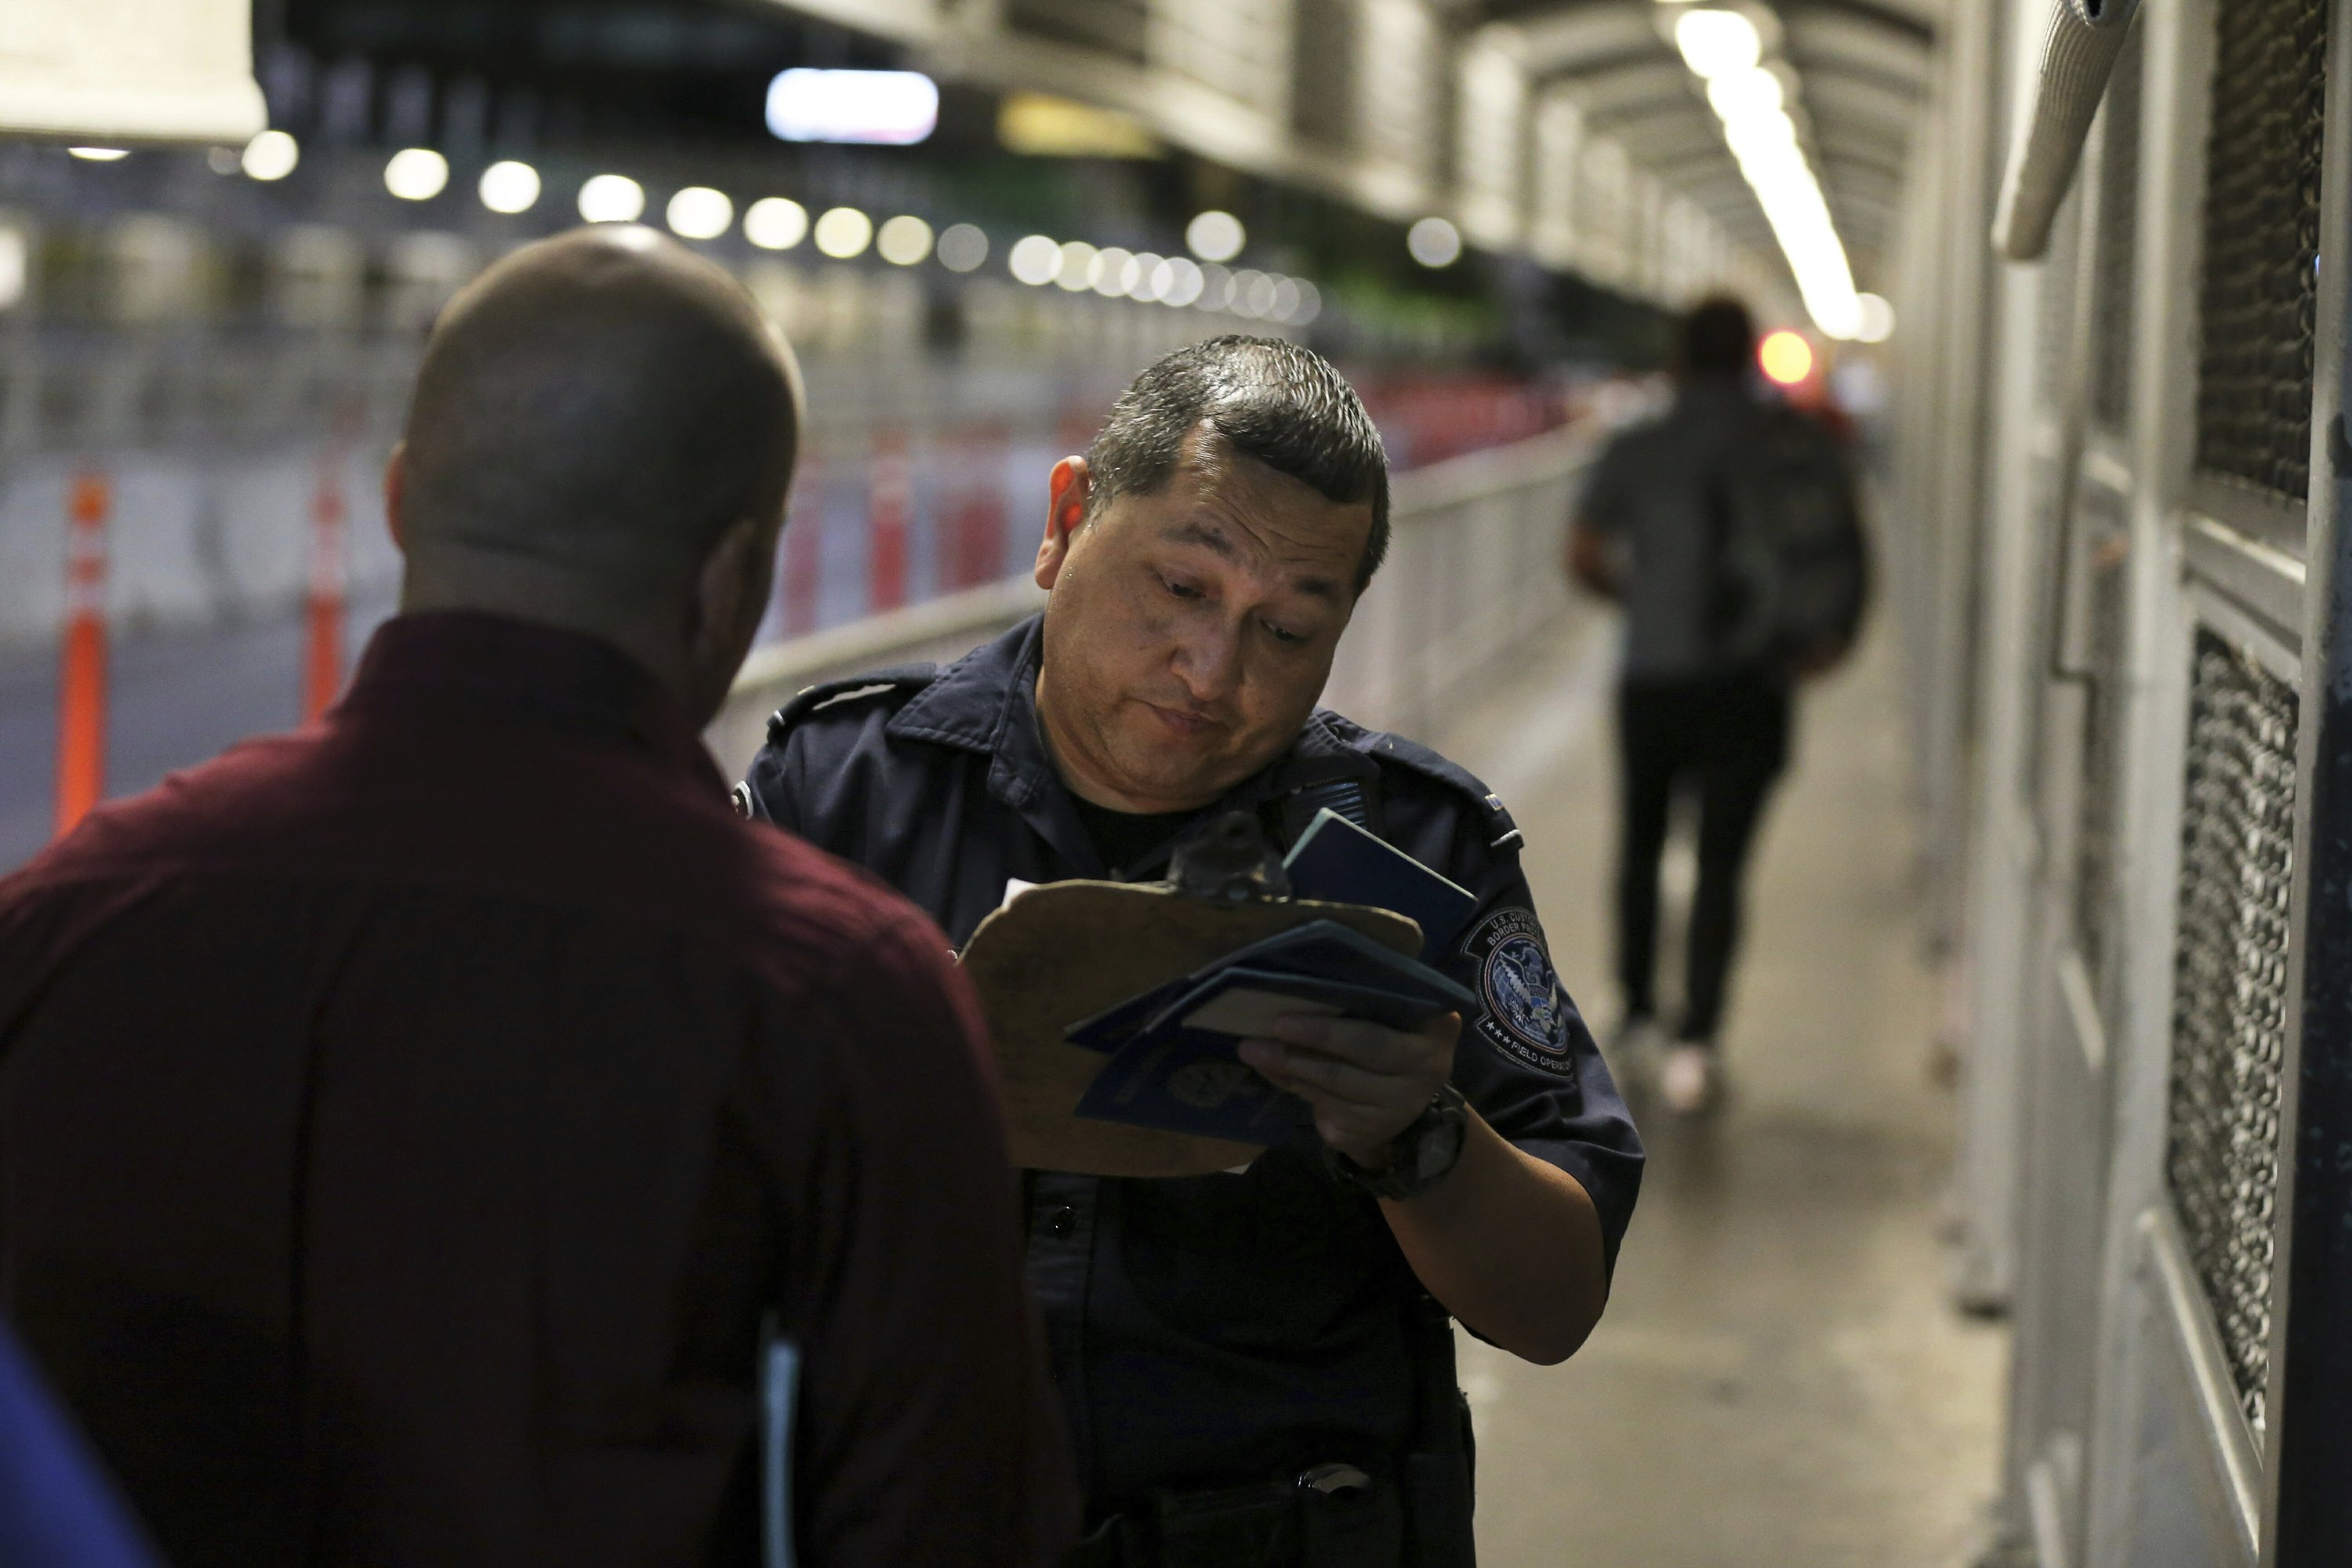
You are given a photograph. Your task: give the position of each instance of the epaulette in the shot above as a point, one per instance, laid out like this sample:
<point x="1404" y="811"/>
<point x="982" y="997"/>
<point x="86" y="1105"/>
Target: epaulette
<point x="898" y="677"/>
<point x="1502" y="833"/>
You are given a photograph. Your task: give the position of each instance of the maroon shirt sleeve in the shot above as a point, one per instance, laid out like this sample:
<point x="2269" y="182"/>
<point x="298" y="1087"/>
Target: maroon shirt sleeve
<point x="927" y="1429"/>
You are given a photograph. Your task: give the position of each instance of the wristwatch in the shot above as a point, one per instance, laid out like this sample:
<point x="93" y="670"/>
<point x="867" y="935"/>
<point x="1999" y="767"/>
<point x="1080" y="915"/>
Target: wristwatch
<point x="1420" y="1157"/>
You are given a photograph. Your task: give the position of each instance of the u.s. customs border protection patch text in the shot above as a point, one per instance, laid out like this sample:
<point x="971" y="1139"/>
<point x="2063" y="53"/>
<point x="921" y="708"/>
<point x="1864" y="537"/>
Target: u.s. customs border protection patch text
<point x="1526" y="1016"/>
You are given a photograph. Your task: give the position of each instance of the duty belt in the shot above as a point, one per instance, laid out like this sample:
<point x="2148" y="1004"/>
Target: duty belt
<point x="1329" y="1516"/>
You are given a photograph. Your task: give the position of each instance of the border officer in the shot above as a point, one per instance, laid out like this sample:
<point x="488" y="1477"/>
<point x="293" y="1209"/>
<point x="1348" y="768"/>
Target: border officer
<point x="1256" y="1367"/>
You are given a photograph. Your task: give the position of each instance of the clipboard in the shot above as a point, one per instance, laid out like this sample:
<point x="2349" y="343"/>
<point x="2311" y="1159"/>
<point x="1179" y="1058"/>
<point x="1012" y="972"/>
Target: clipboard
<point x="1067" y="950"/>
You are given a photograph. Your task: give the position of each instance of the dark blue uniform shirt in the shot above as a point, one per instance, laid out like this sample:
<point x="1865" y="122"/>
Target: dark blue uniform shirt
<point x="1230" y="1328"/>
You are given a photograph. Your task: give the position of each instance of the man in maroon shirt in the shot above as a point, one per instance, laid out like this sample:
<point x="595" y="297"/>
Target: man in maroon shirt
<point x="413" y="1128"/>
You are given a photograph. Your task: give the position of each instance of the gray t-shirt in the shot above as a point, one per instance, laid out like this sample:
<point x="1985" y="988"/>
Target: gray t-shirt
<point x="1649" y="494"/>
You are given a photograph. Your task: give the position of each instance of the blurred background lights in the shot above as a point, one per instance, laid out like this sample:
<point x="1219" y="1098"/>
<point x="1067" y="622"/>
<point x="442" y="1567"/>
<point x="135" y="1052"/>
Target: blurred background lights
<point x="507" y="186"/>
<point x="775" y="223"/>
<point x="1216" y="287"/>
<point x="962" y="247"/>
<point x="1176" y="280"/>
<point x="1716" y="43"/>
<point x="1243" y="299"/>
<point x="1111" y="271"/>
<point x="270" y="156"/>
<point x="844" y="232"/>
<point x="904" y="240"/>
<point x="1284" y="304"/>
<point x="612" y="198"/>
<point x="698" y="211"/>
<point x="1875" y="322"/>
<point x="894" y="109"/>
<point x="1785" y="357"/>
<point x="1433" y="242"/>
<point x="1034" y="259"/>
<point x="1076" y="269"/>
<point x="12" y="268"/>
<point x="1310" y="303"/>
<point x="1145" y="286"/>
<point x="1743" y="95"/>
<point x="99" y="155"/>
<point x="1214" y="235"/>
<point x="417" y="174"/>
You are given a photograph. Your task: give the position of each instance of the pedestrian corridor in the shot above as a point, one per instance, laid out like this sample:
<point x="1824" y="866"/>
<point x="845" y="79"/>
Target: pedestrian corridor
<point x="1780" y="1381"/>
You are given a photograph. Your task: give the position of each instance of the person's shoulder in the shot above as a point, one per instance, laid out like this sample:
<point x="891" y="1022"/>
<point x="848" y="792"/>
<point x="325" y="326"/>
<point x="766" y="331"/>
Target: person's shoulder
<point x="1415" y="777"/>
<point x="850" y="704"/>
<point x="213" y="814"/>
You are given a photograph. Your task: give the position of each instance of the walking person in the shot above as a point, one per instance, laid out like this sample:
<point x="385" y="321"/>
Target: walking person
<point x="1728" y="529"/>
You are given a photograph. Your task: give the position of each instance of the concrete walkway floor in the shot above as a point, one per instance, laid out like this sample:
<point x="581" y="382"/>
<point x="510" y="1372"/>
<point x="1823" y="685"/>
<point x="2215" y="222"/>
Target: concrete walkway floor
<point x="1780" y="1381"/>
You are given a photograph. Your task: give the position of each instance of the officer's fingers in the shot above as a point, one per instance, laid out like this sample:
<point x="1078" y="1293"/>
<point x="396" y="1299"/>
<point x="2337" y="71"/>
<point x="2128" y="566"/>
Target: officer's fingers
<point x="1322" y="1076"/>
<point x="1375" y="1047"/>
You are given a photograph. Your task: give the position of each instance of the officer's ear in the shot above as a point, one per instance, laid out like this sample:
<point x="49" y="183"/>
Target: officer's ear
<point x="1065" y="513"/>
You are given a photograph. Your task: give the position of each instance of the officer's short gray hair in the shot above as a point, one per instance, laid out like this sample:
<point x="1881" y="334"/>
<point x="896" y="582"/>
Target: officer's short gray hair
<point x="1271" y="400"/>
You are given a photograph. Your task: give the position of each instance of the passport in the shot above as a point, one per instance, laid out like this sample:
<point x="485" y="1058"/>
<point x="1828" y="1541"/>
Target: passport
<point x="1174" y="1050"/>
<point x="1340" y="863"/>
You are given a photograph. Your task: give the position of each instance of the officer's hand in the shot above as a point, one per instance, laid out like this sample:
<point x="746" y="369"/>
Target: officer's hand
<point x="1365" y="1082"/>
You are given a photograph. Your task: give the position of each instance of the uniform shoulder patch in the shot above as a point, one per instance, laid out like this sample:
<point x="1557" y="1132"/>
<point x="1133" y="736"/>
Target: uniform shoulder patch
<point x="1526" y="1016"/>
<point x="901" y="679"/>
<point x="1502" y="833"/>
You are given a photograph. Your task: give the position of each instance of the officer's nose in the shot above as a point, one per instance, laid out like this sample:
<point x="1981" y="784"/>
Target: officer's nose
<point x="1208" y="662"/>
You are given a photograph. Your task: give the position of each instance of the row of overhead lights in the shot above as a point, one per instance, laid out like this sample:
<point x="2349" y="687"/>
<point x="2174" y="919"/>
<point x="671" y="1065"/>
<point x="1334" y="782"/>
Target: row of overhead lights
<point x="779" y="223"/>
<point x="1116" y="273"/>
<point x="1723" y="49"/>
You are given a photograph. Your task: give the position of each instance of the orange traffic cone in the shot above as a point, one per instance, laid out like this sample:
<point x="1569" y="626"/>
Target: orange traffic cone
<point x="81" y="685"/>
<point x="891" y="513"/>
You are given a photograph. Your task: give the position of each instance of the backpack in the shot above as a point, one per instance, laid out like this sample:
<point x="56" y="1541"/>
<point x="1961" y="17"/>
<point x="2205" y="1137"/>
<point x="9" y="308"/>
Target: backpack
<point x="1789" y="569"/>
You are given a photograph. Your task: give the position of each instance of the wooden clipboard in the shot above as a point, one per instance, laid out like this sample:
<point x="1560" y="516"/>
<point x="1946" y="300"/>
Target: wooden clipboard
<point x="1066" y="950"/>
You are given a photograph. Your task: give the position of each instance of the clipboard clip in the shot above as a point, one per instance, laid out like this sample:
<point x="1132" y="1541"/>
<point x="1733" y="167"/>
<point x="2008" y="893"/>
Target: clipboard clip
<point x="1231" y="863"/>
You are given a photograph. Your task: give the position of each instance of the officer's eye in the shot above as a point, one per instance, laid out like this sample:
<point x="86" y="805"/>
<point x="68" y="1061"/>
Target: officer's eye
<point x="1284" y="634"/>
<point x="1180" y="590"/>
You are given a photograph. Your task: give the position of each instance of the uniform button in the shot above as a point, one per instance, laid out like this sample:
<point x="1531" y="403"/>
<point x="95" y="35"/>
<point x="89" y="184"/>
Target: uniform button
<point x="1061" y="1222"/>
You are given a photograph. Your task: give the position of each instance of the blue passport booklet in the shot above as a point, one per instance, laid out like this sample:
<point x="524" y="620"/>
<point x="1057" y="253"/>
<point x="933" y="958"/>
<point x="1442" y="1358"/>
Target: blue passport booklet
<point x="1175" y="1063"/>
<point x="1340" y="863"/>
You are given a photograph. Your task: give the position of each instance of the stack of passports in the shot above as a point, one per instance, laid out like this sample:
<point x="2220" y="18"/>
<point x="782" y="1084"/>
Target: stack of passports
<point x="1175" y="1063"/>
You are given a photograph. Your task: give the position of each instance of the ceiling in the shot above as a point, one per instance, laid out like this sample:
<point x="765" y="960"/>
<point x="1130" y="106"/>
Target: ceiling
<point x="1863" y="68"/>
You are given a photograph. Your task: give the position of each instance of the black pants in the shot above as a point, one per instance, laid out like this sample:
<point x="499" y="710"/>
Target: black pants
<point x="1727" y="736"/>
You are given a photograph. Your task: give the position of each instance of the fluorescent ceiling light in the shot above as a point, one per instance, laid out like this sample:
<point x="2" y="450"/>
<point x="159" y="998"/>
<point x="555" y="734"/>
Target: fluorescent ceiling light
<point x="99" y="155"/>
<point x="612" y="198"/>
<point x="904" y="240"/>
<point x="1076" y="269"/>
<point x="698" y="211"/>
<point x="894" y="109"/>
<point x="1876" y="322"/>
<point x="507" y="186"/>
<point x="844" y="232"/>
<point x="1716" y="43"/>
<point x="1745" y="95"/>
<point x="417" y="174"/>
<point x="962" y="247"/>
<point x="270" y="156"/>
<point x="775" y="223"/>
<point x="1035" y="260"/>
<point x="1214" y="235"/>
<point x="1433" y="242"/>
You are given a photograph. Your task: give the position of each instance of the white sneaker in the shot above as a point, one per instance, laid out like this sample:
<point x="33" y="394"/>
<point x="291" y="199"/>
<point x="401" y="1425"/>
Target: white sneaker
<point x="1638" y="1040"/>
<point x="1689" y="1081"/>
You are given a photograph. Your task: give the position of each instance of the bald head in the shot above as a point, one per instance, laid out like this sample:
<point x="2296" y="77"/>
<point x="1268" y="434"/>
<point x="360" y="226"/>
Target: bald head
<point x="595" y="411"/>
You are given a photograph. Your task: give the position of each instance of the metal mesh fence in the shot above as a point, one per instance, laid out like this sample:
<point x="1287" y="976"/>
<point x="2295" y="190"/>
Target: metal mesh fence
<point x="2258" y="298"/>
<point x="2229" y="1006"/>
<point x="2119" y="242"/>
